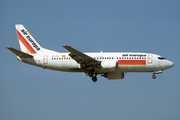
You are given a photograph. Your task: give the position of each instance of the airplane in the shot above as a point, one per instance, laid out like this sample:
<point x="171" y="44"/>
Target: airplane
<point x="111" y="65"/>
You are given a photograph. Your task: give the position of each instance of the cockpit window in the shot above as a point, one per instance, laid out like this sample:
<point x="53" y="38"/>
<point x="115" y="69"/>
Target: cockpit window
<point x="161" y="58"/>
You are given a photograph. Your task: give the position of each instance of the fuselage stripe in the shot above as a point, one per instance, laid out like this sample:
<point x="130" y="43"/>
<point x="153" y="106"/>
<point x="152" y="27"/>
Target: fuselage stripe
<point x="131" y="62"/>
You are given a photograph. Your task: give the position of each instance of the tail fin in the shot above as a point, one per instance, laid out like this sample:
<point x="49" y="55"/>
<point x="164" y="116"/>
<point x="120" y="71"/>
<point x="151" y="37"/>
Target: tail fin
<point x="27" y="43"/>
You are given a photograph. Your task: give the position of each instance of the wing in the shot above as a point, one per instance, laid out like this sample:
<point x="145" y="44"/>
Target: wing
<point x="82" y="58"/>
<point x="19" y="53"/>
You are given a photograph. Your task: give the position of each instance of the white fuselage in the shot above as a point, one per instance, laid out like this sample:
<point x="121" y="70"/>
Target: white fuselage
<point x="127" y="62"/>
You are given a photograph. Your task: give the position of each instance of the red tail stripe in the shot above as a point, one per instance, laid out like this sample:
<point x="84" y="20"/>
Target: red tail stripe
<point x="131" y="62"/>
<point x="25" y="43"/>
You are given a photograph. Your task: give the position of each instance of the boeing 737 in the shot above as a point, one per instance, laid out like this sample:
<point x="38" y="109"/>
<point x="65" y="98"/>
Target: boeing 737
<point x="111" y="65"/>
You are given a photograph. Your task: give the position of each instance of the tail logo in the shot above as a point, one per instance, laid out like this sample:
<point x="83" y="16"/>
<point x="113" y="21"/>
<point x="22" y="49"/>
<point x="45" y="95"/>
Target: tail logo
<point x="30" y="39"/>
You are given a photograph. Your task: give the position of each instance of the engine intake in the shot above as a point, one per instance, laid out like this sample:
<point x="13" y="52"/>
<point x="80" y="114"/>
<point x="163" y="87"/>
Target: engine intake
<point x="109" y="65"/>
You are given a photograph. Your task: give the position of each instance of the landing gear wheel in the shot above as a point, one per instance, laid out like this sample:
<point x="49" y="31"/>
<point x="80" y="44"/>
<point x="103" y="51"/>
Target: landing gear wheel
<point x="90" y="74"/>
<point x="94" y="79"/>
<point x="154" y="76"/>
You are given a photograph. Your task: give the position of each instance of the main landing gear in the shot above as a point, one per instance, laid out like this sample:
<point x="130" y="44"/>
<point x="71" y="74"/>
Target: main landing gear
<point x="91" y="74"/>
<point x="94" y="78"/>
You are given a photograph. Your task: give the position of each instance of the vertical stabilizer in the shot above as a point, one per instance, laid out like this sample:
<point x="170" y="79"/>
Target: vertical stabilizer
<point x="27" y="43"/>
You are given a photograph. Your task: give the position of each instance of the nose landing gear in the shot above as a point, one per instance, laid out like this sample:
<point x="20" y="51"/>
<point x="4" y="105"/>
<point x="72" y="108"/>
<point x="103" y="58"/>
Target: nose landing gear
<point x="156" y="72"/>
<point x="154" y="76"/>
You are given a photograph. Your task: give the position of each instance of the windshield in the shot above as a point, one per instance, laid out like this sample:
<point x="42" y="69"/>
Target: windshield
<point x="161" y="58"/>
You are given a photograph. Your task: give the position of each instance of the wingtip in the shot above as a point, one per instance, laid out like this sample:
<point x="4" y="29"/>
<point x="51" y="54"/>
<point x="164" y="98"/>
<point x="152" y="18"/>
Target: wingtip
<point x="8" y="47"/>
<point x="66" y="46"/>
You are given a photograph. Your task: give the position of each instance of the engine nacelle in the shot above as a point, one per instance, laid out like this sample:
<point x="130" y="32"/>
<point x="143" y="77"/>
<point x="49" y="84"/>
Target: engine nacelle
<point x="114" y="75"/>
<point x="109" y="65"/>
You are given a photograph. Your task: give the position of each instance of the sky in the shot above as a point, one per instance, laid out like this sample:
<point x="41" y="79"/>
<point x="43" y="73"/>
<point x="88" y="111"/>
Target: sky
<point x="32" y="93"/>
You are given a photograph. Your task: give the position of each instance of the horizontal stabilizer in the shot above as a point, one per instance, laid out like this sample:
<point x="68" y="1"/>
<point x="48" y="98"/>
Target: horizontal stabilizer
<point x="19" y="53"/>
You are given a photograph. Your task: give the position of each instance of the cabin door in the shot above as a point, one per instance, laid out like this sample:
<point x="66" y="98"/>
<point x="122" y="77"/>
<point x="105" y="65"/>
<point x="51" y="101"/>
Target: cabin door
<point x="45" y="59"/>
<point x="150" y="59"/>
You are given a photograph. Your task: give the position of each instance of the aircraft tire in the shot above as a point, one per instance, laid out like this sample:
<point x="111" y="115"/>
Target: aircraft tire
<point x="90" y="74"/>
<point x="94" y="79"/>
<point x="154" y="76"/>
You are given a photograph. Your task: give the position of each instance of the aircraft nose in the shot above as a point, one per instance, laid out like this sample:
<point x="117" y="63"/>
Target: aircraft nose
<point x="170" y="64"/>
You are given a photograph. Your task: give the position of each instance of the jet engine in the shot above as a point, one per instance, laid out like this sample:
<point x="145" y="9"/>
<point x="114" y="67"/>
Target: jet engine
<point x="114" y="75"/>
<point x="109" y="65"/>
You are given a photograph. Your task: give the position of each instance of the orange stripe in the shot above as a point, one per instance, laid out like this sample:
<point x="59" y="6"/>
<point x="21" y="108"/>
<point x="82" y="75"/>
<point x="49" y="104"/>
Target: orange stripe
<point x="131" y="62"/>
<point x="25" y="43"/>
